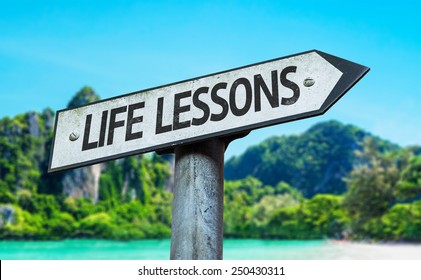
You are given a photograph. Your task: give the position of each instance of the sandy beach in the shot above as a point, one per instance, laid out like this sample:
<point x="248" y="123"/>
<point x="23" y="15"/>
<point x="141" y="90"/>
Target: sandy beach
<point x="347" y="250"/>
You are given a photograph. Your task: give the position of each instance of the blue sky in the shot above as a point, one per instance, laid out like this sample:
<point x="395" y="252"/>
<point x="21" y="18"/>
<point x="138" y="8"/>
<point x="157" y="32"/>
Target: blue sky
<point x="50" y="49"/>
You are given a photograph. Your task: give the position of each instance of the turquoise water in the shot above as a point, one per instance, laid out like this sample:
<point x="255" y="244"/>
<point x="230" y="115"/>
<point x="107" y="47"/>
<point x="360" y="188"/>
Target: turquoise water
<point x="152" y="249"/>
<point x="234" y="249"/>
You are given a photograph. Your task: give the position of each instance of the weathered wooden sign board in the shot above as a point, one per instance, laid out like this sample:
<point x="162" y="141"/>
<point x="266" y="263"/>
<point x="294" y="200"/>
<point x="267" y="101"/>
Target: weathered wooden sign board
<point x="224" y="103"/>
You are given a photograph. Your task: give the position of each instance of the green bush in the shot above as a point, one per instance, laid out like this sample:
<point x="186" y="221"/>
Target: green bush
<point x="24" y="226"/>
<point x="97" y="225"/>
<point x="62" y="225"/>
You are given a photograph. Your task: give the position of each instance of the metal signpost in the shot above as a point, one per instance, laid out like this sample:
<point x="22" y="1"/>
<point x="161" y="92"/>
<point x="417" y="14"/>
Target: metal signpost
<point x="195" y="118"/>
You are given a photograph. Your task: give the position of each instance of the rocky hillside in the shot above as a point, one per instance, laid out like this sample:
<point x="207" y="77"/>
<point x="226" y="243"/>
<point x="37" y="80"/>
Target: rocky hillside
<point x="315" y="161"/>
<point x="25" y="142"/>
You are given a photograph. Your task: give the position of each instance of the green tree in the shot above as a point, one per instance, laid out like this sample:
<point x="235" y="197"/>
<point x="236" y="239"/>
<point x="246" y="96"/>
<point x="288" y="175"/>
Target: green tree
<point x="402" y="222"/>
<point x="409" y="185"/>
<point x="97" y="225"/>
<point x="84" y="96"/>
<point x="285" y="223"/>
<point x="62" y="225"/>
<point x="325" y="215"/>
<point x="372" y="184"/>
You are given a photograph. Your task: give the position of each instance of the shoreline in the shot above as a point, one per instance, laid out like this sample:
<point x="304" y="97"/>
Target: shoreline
<point x="234" y="249"/>
<point x="333" y="241"/>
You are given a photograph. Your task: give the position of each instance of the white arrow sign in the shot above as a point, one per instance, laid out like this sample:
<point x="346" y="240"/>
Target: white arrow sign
<point x="216" y="105"/>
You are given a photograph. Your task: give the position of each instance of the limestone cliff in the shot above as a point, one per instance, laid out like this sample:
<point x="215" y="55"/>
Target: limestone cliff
<point x="7" y="215"/>
<point x="84" y="181"/>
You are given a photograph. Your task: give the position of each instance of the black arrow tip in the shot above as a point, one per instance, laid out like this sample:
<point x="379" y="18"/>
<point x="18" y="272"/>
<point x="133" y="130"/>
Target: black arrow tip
<point x="352" y="73"/>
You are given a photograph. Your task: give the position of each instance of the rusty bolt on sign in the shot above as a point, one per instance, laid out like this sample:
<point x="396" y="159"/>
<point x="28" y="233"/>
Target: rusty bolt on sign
<point x="308" y="82"/>
<point x="74" y="136"/>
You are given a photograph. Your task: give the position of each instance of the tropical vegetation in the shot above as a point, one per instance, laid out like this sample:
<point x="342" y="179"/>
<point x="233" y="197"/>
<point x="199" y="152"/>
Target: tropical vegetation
<point x="332" y="181"/>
